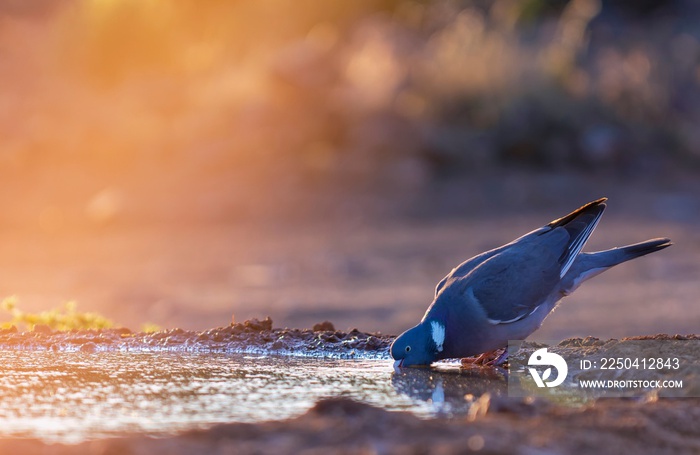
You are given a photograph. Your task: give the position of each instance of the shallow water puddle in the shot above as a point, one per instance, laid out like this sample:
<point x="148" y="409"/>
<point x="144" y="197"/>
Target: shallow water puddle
<point x="73" y="396"/>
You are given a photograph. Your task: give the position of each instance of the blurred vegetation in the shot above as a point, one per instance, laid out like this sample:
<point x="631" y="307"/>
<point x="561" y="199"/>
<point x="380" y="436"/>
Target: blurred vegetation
<point x="66" y="317"/>
<point x="250" y="101"/>
<point x="125" y="115"/>
<point x="150" y="328"/>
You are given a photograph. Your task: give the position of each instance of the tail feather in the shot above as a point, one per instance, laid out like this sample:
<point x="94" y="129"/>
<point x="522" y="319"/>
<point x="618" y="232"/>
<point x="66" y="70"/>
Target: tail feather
<point x="588" y="265"/>
<point x="642" y="248"/>
<point x="614" y="256"/>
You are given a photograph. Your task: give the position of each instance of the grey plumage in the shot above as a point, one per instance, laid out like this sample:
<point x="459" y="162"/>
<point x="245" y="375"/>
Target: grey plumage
<point x="505" y="294"/>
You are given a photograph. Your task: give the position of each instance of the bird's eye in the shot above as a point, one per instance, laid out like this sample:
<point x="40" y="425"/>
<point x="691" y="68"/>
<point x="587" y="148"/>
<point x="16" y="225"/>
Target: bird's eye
<point x="408" y="348"/>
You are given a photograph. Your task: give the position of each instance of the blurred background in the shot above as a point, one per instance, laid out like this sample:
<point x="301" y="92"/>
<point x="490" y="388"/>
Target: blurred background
<point x="182" y="162"/>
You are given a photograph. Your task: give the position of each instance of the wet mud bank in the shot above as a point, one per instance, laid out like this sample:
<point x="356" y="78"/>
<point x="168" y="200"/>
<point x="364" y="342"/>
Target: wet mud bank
<point x="252" y="336"/>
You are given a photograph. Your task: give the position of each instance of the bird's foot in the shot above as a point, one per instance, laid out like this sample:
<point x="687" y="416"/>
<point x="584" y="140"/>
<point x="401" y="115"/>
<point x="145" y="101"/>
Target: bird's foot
<point x="491" y="358"/>
<point x="501" y="359"/>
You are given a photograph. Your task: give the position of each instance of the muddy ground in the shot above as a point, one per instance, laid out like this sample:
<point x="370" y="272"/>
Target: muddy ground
<point x="501" y="427"/>
<point x="249" y="336"/>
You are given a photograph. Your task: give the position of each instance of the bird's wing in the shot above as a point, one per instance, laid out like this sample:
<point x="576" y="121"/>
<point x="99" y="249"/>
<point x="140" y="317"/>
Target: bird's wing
<point x="512" y="284"/>
<point x="579" y="225"/>
<point x="467" y="266"/>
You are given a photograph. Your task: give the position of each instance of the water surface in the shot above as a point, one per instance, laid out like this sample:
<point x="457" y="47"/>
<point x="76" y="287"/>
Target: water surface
<point x="74" y="396"/>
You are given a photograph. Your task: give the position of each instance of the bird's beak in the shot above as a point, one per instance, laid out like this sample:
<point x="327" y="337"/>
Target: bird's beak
<point x="398" y="364"/>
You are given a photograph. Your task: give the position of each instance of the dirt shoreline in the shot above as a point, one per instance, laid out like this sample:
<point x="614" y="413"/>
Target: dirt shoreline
<point x="249" y="336"/>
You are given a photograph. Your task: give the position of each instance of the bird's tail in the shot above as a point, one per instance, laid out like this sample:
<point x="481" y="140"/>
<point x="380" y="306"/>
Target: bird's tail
<point x="588" y="265"/>
<point x="612" y="257"/>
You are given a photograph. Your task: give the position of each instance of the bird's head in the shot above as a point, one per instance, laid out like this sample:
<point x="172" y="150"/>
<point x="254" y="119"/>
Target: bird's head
<point x="420" y="345"/>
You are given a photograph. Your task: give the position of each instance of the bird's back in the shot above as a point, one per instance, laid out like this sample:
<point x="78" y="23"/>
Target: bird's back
<point x="510" y="282"/>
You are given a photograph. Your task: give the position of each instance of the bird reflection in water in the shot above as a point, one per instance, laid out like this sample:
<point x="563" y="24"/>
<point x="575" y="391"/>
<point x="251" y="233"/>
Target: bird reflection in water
<point x="450" y="390"/>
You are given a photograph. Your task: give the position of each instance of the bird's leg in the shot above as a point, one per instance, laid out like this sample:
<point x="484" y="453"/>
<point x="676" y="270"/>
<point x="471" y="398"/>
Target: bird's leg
<point x="490" y="358"/>
<point x="501" y="359"/>
<point x="478" y="360"/>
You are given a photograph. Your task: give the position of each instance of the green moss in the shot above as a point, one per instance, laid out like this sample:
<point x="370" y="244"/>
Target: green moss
<point x="65" y="317"/>
<point x="150" y="328"/>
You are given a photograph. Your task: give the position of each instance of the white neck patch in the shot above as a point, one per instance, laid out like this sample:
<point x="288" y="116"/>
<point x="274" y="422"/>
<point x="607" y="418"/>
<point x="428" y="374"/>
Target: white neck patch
<point x="437" y="331"/>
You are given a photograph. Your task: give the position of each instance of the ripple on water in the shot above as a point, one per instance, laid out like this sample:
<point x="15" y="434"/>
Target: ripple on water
<point x="74" y="396"/>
